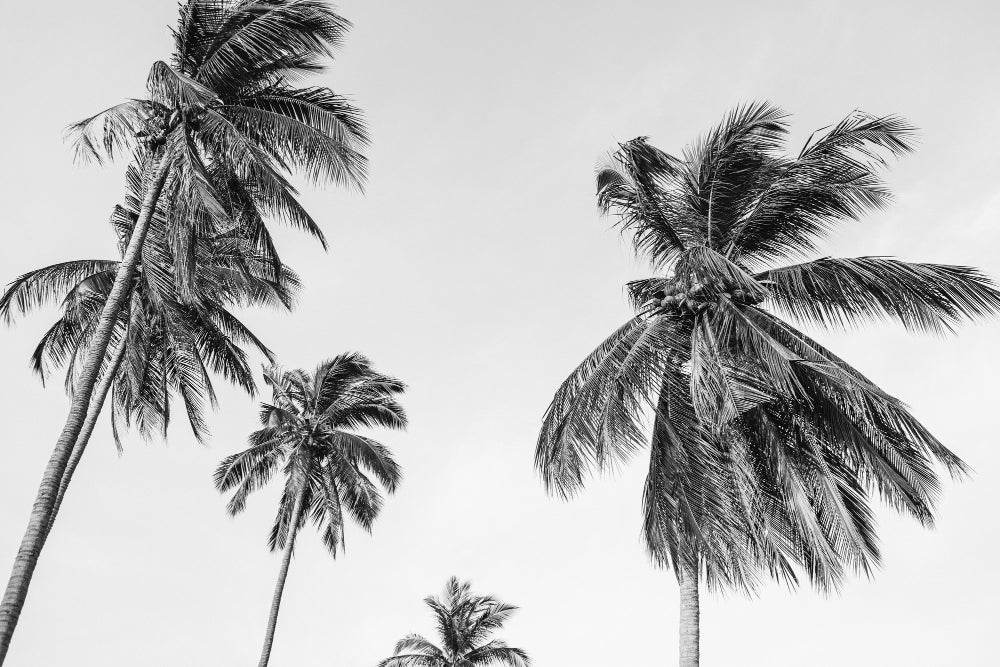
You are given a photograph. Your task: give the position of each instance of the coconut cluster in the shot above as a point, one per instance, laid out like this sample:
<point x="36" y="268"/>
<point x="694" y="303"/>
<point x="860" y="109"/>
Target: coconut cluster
<point x="699" y="296"/>
<point x="160" y="123"/>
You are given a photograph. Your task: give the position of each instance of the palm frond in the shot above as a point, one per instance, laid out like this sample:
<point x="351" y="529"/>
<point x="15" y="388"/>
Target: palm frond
<point x="54" y="283"/>
<point x="835" y="292"/>
<point x="311" y="129"/>
<point x="241" y="44"/>
<point x="498" y="653"/>
<point x="110" y="132"/>
<point x="833" y="179"/>
<point x="173" y="90"/>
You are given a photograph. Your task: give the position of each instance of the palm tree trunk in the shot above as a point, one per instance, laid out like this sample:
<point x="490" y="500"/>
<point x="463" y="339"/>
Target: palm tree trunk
<point x="286" y="559"/>
<point x="41" y="512"/>
<point x="689" y="622"/>
<point x="96" y="404"/>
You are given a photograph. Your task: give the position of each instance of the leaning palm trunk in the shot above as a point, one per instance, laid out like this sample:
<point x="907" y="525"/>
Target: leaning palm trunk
<point x="42" y="511"/>
<point x="689" y="622"/>
<point x="96" y="404"/>
<point x="286" y="559"/>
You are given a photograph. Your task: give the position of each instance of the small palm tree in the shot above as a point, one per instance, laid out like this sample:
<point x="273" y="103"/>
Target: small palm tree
<point x="465" y="623"/>
<point x="766" y="447"/>
<point x="309" y="433"/>
<point x="223" y="125"/>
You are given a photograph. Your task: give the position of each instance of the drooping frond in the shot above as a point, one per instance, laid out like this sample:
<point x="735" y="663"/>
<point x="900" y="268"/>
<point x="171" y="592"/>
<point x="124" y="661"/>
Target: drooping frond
<point x="412" y="660"/>
<point x="594" y="422"/>
<point x="249" y="470"/>
<point x="368" y="454"/>
<point x="55" y="283"/>
<point x="359" y="495"/>
<point x="834" y="292"/>
<point x="310" y="129"/>
<point x="173" y="89"/>
<point x="110" y="132"/>
<point x="282" y="528"/>
<point x="497" y="652"/>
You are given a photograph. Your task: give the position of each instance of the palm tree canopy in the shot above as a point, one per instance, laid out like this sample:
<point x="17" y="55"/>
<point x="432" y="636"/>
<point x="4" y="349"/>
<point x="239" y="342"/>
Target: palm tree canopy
<point x="310" y="432"/>
<point x="228" y="119"/>
<point x="171" y="346"/>
<point x="465" y="623"/>
<point x="766" y="446"/>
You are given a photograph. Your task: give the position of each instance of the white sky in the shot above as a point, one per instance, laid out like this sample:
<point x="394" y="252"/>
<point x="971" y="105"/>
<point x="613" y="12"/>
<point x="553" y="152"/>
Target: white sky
<point x="477" y="270"/>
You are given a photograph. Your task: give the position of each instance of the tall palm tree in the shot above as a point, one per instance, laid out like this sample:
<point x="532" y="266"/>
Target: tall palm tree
<point x="159" y="343"/>
<point x="765" y="447"/>
<point x="465" y="624"/>
<point x="223" y="121"/>
<point x="309" y="432"/>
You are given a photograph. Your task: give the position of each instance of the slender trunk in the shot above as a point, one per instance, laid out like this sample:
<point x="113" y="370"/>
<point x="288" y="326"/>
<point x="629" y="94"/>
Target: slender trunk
<point x="41" y="512"/>
<point x="96" y="404"/>
<point x="286" y="559"/>
<point x="689" y="624"/>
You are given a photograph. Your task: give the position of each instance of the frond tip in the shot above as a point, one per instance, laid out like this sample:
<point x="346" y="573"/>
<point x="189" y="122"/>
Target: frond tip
<point x="108" y="133"/>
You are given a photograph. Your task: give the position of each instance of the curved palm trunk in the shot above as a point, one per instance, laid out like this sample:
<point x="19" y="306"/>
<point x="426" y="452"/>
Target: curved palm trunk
<point x="689" y="621"/>
<point x="41" y="512"/>
<point x="286" y="559"/>
<point x="96" y="404"/>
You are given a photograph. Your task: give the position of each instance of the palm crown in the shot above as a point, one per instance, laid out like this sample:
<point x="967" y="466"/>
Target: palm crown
<point x="766" y="446"/>
<point x="166" y="344"/>
<point x="465" y="624"/>
<point x="226" y="123"/>
<point x="309" y="431"/>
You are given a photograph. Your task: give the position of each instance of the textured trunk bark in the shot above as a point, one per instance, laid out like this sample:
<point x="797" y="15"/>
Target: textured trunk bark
<point x="689" y="622"/>
<point x="41" y="512"/>
<point x="286" y="559"/>
<point x="96" y="404"/>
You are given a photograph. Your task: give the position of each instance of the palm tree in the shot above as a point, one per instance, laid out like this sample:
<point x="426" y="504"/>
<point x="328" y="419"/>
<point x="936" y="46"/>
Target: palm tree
<point x="224" y="121"/>
<point x="309" y="432"/>
<point x="465" y="623"/>
<point x="159" y="343"/>
<point x="766" y="447"/>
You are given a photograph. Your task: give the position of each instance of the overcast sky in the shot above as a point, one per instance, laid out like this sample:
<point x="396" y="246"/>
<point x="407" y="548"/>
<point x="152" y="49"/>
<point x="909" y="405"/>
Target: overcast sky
<point x="477" y="269"/>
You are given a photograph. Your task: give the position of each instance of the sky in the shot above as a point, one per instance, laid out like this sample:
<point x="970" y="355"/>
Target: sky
<point x="476" y="268"/>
